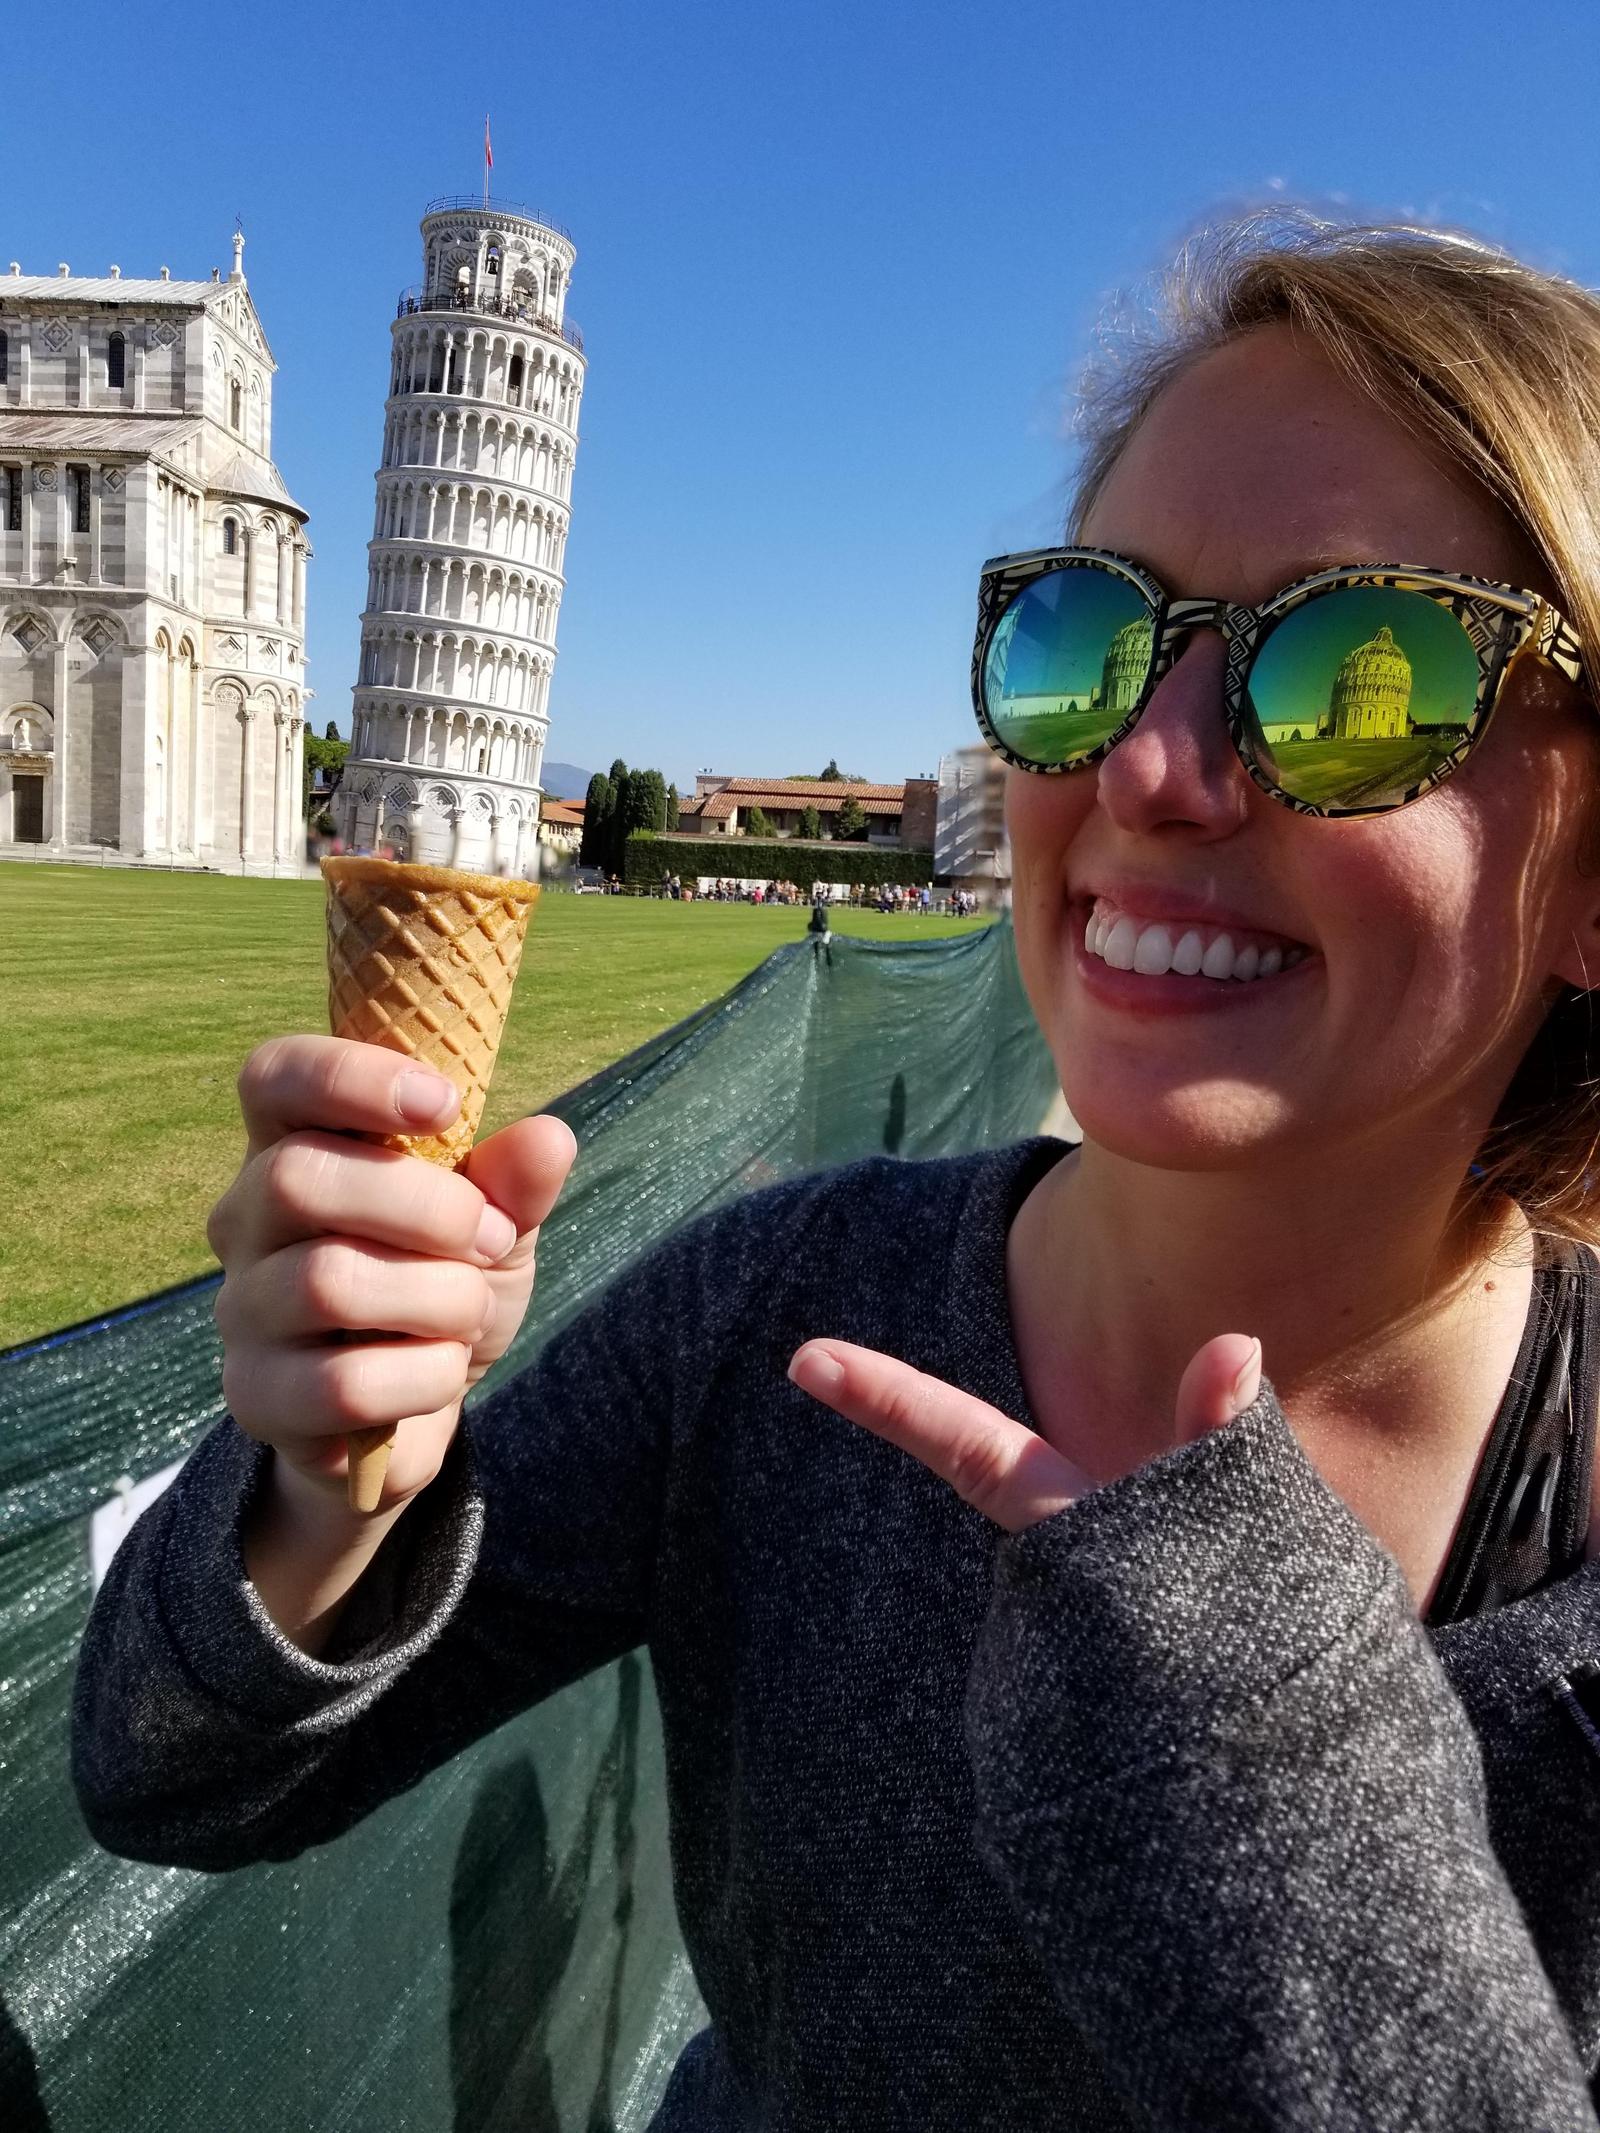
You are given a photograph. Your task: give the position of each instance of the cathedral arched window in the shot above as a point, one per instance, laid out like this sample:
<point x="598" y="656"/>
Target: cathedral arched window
<point x="116" y="360"/>
<point x="230" y="536"/>
<point x="514" y="377"/>
<point x="5" y="359"/>
<point x="453" y="381"/>
<point x="236" y="404"/>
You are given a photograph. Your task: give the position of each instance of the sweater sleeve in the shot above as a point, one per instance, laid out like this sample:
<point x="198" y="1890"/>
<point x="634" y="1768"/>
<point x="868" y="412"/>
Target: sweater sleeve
<point x="203" y="1737"/>
<point x="1241" y="1814"/>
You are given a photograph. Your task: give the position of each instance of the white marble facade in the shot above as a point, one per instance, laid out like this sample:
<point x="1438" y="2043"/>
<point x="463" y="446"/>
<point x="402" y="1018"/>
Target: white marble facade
<point x="458" y="639"/>
<point x="152" y="577"/>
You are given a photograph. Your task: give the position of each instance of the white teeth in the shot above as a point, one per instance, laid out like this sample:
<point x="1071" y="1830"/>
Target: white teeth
<point x="1153" y="949"/>
<point x="1189" y="955"/>
<point x="1118" y="945"/>
<point x="1152" y="956"/>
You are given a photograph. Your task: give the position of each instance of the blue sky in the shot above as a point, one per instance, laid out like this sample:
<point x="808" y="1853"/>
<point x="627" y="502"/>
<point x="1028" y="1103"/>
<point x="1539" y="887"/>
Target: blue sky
<point x="837" y="268"/>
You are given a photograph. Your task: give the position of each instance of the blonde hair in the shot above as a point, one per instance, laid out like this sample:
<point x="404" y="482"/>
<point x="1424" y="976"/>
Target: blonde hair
<point x="1498" y="365"/>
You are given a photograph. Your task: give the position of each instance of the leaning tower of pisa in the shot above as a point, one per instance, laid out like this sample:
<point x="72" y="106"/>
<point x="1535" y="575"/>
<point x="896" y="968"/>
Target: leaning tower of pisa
<point x="458" y="638"/>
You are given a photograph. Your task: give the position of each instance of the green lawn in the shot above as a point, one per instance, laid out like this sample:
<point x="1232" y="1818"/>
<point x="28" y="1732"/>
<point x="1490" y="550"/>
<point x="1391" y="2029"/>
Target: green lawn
<point x="130" y="999"/>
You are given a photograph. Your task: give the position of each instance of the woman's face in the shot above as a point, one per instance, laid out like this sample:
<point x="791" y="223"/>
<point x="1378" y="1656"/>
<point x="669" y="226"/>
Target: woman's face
<point x="1430" y="938"/>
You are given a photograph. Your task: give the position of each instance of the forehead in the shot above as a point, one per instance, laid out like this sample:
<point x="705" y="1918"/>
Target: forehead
<point x="1262" y="463"/>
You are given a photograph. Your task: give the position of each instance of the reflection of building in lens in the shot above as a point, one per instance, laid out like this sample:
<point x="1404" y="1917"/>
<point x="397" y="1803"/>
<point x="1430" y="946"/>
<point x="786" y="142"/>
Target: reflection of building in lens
<point x="1127" y="667"/>
<point x="1371" y="695"/>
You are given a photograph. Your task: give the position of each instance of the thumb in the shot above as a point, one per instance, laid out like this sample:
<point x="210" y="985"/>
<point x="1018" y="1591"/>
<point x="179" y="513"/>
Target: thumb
<point x="521" y="1170"/>
<point x="1222" y="1379"/>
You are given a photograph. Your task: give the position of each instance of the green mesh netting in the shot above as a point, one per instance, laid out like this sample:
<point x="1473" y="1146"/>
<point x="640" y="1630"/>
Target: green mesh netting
<point x="498" y="1948"/>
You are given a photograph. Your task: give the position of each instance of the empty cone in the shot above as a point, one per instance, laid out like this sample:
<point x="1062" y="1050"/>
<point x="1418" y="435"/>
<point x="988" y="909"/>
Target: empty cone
<point x="422" y="959"/>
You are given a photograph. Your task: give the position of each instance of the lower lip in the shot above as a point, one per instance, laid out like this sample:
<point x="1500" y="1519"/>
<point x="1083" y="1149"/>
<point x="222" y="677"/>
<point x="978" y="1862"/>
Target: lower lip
<point x="1174" y="994"/>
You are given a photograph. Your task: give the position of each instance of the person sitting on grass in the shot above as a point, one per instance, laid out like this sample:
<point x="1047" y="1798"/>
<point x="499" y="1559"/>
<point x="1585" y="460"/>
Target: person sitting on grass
<point x="1064" y="1727"/>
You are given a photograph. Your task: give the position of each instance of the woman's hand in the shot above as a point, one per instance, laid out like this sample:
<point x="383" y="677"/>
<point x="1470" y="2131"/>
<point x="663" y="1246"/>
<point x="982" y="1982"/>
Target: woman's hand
<point x="995" y="1464"/>
<point x="364" y="1287"/>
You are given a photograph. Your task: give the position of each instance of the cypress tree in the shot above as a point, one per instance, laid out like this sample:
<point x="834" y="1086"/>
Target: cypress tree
<point x="597" y="807"/>
<point x="654" y="788"/>
<point x="617" y="827"/>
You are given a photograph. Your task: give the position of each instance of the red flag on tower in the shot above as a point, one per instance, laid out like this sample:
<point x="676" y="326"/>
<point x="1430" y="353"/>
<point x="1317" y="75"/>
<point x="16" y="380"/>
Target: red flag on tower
<point x="488" y="152"/>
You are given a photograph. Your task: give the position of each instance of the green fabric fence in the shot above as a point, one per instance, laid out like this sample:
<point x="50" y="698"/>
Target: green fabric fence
<point x="497" y="1949"/>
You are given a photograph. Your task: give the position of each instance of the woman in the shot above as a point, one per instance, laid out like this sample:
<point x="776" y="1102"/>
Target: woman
<point x="1129" y="1754"/>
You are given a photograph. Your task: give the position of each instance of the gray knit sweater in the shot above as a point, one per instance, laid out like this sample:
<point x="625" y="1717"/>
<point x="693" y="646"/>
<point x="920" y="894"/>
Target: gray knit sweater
<point x="1167" y="1813"/>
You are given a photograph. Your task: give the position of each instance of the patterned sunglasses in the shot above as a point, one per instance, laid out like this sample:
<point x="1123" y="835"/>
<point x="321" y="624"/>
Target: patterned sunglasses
<point x="1348" y="693"/>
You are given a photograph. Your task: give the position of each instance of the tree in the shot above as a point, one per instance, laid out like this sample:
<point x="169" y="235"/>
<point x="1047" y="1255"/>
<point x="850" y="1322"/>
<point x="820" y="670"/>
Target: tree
<point x="833" y="775"/>
<point x="597" y="807"/>
<point x="852" y="820"/>
<point x="324" y="752"/>
<point x="617" y="828"/>
<point x="756" y="823"/>
<point x="810" y="823"/>
<point x="654" y="786"/>
<point x="674" y="807"/>
<point x="332" y="732"/>
<point x="637" y="811"/>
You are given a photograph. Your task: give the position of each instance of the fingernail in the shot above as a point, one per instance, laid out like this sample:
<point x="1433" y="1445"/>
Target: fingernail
<point x="496" y="1233"/>
<point x="423" y="1098"/>
<point x="815" y="1371"/>
<point x="1248" y="1383"/>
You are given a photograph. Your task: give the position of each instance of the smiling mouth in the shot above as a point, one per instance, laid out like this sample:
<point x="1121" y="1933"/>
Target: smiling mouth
<point x="1155" y="948"/>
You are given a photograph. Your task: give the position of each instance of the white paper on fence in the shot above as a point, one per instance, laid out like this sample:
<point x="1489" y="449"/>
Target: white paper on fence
<point x="112" y="1523"/>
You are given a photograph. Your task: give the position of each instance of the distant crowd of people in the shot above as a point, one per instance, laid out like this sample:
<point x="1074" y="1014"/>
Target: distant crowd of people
<point x="887" y="897"/>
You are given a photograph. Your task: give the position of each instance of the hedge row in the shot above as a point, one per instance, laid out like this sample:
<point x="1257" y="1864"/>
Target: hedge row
<point x="651" y="855"/>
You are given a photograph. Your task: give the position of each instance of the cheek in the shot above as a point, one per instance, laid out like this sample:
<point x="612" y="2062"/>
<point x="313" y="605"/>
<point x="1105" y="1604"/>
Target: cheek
<point x="1436" y="928"/>
<point x="1043" y="816"/>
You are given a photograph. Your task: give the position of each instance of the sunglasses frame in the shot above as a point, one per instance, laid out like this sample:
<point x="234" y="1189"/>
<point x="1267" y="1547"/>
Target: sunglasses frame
<point x="1503" y="623"/>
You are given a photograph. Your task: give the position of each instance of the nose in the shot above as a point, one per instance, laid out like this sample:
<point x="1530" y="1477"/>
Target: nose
<point x="1177" y="771"/>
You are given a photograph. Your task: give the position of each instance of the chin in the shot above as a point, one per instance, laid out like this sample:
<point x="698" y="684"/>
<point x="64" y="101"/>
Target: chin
<point x="1207" y="1123"/>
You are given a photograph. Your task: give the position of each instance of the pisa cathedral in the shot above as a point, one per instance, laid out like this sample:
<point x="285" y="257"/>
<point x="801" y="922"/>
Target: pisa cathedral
<point x="458" y="639"/>
<point x="152" y="577"/>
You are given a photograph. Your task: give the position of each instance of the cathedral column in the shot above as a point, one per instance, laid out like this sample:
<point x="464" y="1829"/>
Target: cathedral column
<point x="516" y="847"/>
<point x="457" y="817"/>
<point x="247" y="781"/>
<point x="193" y="673"/>
<point x="297" y="786"/>
<point x="280" y="720"/>
<point x="58" y="766"/>
<point x="299" y="585"/>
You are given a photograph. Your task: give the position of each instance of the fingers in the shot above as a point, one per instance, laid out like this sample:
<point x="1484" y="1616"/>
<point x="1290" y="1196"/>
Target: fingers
<point x="999" y="1467"/>
<point x="341" y="1285"/>
<point x="310" y="1184"/>
<point x="290" y="1083"/>
<point x="290" y="1397"/>
<point x="521" y="1171"/>
<point x="1221" y="1380"/>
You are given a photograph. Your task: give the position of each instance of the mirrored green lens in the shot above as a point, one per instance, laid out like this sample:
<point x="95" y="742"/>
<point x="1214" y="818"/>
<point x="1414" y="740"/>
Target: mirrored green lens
<point x="1360" y="695"/>
<point x="1066" y="664"/>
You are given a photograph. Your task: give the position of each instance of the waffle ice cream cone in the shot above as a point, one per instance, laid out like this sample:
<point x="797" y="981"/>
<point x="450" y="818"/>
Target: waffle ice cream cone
<point x="422" y="959"/>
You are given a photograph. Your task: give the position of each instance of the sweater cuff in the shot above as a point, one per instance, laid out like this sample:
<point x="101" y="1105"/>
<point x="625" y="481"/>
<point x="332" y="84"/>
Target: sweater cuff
<point x="217" y="1623"/>
<point x="1155" y="1606"/>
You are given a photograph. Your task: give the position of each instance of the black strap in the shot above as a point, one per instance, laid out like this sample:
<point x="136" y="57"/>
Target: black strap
<point x="1527" y="1517"/>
